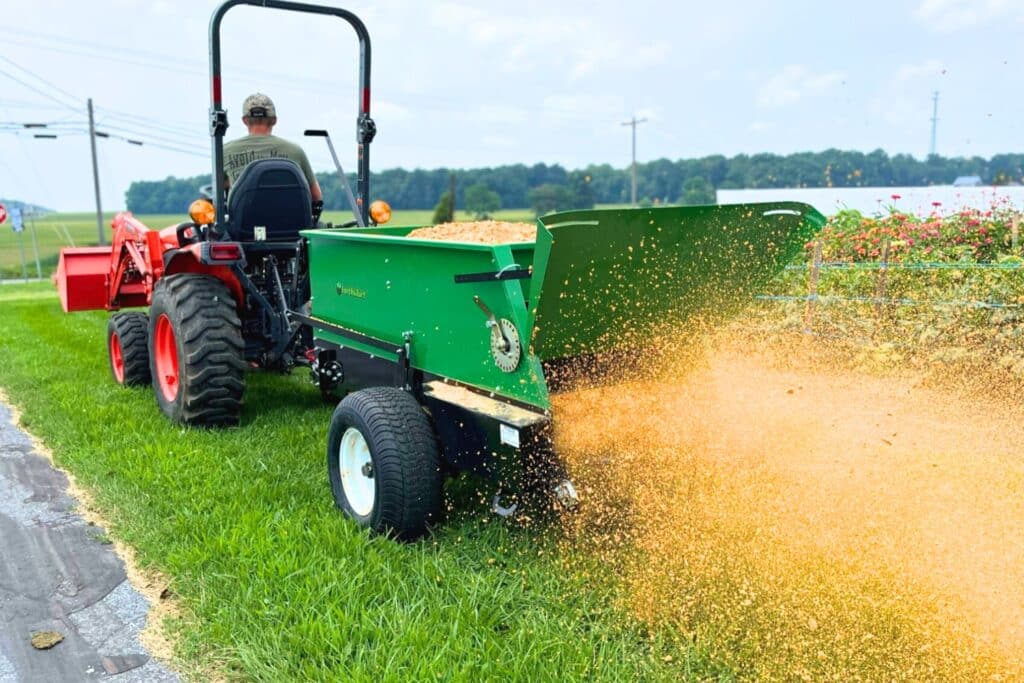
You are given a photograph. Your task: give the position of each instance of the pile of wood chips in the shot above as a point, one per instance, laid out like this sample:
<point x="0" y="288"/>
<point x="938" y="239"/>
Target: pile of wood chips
<point x="481" y="232"/>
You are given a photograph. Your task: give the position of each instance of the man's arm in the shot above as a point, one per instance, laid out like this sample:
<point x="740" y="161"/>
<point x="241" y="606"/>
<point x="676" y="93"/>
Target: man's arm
<point x="307" y="170"/>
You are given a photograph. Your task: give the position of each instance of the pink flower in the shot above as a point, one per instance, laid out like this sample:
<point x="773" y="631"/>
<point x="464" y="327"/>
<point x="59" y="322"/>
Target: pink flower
<point x="896" y="196"/>
<point x="936" y="203"/>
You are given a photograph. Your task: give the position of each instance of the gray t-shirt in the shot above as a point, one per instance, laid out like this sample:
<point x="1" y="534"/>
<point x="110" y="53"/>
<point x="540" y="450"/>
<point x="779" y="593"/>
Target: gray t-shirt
<point x="241" y="152"/>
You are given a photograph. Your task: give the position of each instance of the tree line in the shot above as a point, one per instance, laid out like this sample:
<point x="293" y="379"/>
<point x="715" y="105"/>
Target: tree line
<point x="686" y="181"/>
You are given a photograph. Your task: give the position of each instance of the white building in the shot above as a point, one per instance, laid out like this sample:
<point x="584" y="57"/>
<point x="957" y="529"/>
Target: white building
<point x="869" y="200"/>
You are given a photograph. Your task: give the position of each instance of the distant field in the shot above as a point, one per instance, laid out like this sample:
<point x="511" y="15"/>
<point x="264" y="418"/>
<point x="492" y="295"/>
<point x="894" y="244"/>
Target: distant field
<point x="55" y="231"/>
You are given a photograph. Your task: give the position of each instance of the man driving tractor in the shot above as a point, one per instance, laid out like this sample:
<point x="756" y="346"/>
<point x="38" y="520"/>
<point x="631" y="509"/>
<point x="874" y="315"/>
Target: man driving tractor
<point x="259" y="117"/>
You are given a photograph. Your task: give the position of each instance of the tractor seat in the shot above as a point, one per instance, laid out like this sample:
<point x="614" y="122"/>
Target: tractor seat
<point x="272" y="194"/>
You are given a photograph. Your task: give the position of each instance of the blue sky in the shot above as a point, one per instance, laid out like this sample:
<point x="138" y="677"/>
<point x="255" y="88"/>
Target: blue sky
<point x="469" y="84"/>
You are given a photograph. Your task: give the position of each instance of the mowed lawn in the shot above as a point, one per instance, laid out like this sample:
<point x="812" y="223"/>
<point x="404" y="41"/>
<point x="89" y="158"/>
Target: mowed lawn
<point x="58" y="230"/>
<point x="273" y="582"/>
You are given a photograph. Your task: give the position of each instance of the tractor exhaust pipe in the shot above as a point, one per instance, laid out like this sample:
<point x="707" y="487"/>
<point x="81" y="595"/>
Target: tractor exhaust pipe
<point x="341" y="174"/>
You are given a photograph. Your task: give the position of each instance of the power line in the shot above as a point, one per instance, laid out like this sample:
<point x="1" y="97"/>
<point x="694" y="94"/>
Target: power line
<point x="176" y="140"/>
<point x="149" y="122"/>
<point x="41" y="79"/>
<point x="174" y="64"/>
<point x="34" y="89"/>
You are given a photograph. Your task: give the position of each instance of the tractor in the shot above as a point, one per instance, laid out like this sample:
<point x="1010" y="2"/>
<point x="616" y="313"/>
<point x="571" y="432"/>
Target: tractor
<point x="220" y="287"/>
<point x="447" y="352"/>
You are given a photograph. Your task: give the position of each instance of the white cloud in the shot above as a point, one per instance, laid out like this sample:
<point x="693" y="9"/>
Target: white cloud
<point x="500" y="114"/>
<point x="498" y="141"/>
<point x="953" y="15"/>
<point x="574" y="108"/>
<point x="903" y="101"/>
<point x="913" y="72"/>
<point x="793" y="83"/>
<point x="387" y="110"/>
<point x="524" y="43"/>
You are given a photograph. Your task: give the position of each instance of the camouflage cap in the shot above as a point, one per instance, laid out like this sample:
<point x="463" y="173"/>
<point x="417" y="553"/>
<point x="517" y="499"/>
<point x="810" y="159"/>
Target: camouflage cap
<point x="258" y="106"/>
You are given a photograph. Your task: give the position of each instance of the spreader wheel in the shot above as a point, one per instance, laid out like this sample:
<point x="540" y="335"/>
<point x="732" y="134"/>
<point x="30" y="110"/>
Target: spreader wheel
<point x="128" y="346"/>
<point x="383" y="462"/>
<point x="196" y="351"/>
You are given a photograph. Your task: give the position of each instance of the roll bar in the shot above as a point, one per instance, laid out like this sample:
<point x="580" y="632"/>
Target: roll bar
<point x="366" y="129"/>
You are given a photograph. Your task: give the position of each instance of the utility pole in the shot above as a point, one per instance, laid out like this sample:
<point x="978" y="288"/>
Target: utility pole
<point x="35" y="244"/>
<point x="96" y="176"/>
<point x="451" y="193"/>
<point x="935" y="121"/>
<point x="634" y="122"/>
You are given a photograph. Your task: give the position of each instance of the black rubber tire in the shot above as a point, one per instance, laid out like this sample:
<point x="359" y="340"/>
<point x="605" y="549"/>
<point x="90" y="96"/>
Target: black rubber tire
<point x="210" y="350"/>
<point x="132" y="331"/>
<point x="404" y="454"/>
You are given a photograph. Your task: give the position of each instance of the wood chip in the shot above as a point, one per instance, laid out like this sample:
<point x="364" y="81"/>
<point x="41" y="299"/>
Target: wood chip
<point x="480" y="232"/>
<point x="44" y="640"/>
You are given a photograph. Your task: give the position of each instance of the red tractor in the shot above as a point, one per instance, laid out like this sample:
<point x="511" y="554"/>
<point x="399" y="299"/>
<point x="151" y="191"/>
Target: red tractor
<point x="227" y="289"/>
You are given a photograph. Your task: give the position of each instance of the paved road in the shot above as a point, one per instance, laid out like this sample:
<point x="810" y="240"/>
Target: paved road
<point x="57" y="575"/>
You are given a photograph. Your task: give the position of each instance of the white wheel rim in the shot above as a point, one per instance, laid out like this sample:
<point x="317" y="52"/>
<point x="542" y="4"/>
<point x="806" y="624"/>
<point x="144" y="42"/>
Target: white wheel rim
<point x="356" y="467"/>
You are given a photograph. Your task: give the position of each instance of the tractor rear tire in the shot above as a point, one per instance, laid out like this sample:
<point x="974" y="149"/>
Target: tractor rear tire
<point x="383" y="463"/>
<point x="128" y="348"/>
<point x="196" y="351"/>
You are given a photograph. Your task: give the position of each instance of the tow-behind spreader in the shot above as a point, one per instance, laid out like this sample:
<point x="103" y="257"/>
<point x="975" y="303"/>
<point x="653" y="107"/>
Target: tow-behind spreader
<point x="445" y="351"/>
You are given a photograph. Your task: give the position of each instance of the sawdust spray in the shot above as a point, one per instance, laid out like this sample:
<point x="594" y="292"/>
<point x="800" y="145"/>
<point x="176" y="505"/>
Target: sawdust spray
<point x="793" y="518"/>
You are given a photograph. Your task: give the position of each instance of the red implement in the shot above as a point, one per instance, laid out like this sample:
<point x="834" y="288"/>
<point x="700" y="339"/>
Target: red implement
<point x="81" y="278"/>
<point x="123" y="275"/>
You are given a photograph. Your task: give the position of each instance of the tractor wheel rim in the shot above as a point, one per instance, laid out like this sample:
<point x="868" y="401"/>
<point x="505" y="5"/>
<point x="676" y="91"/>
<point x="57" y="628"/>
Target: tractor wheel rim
<point x="357" y="476"/>
<point x="165" y="351"/>
<point x="117" y="357"/>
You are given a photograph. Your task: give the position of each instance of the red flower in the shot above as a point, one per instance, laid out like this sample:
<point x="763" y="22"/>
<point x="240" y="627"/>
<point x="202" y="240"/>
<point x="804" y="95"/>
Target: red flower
<point x="896" y="196"/>
<point x="936" y="203"/>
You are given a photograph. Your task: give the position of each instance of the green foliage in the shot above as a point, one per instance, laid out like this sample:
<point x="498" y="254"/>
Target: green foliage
<point x="954" y="293"/>
<point x="171" y="195"/>
<point x="968" y="235"/>
<point x="661" y="179"/>
<point x="481" y="201"/>
<point x="549" y="197"/>
<point x="696" y="191"/>
<point x="582" y="191"/>
<point x="443" y="209"/>
<point x="26" y="208"/>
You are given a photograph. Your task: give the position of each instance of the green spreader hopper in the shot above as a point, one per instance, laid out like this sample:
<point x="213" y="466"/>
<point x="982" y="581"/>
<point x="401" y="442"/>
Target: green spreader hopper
<point x="450" y="346"/>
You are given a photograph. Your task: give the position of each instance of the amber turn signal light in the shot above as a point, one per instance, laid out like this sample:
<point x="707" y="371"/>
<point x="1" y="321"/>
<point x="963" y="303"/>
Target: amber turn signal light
<point x="380" y="212"/>
<point x="201" y="212"/>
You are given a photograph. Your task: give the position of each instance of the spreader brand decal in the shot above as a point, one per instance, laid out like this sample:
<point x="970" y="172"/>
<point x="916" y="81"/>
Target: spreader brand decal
<point x="350" y="291"/>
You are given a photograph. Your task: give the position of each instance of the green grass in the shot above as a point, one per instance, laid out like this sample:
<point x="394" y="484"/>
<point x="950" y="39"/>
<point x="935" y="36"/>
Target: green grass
<point x="56" y="231"/>
<point x="274" y="582"/>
